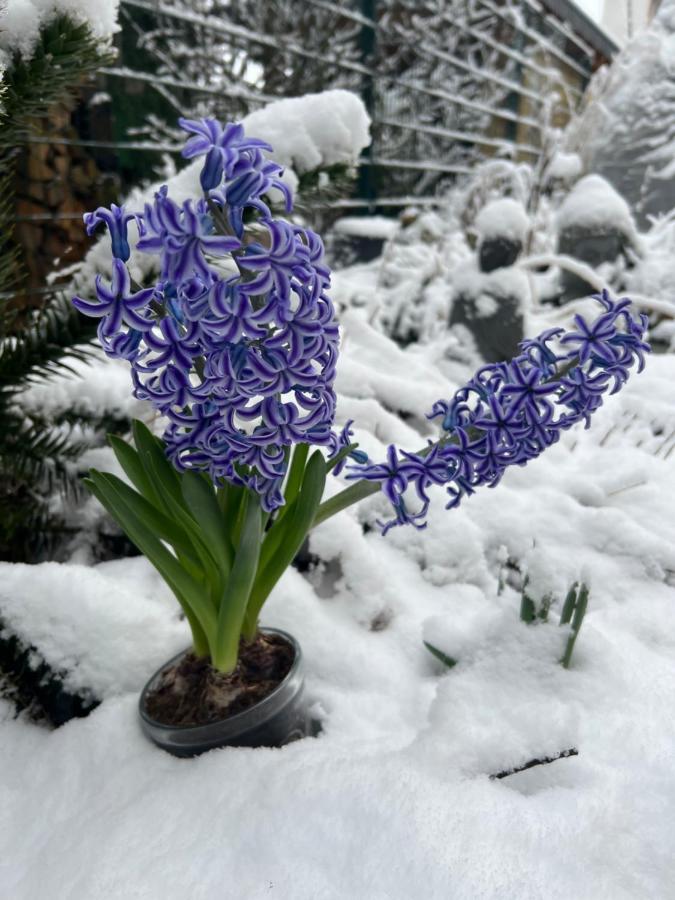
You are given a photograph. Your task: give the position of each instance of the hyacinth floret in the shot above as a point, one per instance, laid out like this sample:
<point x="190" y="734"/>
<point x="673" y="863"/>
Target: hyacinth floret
<point x="236" y="174"/>
<point x="509" y="413"/>
<point x="116" y="220"/>
<point x="236" y="343"/>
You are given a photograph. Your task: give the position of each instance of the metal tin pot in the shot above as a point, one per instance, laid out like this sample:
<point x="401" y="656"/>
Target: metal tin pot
<point x="278" y="719"/>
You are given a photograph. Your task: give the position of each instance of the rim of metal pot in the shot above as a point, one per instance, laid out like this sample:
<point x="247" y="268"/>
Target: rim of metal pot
<point x="237" y="717"/>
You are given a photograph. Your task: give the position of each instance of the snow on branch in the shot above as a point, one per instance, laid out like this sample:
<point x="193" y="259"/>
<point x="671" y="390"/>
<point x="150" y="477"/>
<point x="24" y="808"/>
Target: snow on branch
<point x="313" y="131"/>
<point x="22" y="20"/>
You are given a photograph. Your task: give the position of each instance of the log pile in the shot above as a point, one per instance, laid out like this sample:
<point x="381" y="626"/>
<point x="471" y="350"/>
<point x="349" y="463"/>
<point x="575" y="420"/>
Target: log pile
<point x="55" y="184"/>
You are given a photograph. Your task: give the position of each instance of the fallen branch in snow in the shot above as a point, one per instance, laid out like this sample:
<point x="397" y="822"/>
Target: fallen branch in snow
<point x="649" y="304"/>
<point x="575" y="266"/>
<point x="544" y="761"/>
<point x="586" y="273"/>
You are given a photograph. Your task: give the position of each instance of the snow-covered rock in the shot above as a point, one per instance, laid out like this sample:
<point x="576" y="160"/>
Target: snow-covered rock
<point x="505" y="218"/>
<point x="595" y="206"/>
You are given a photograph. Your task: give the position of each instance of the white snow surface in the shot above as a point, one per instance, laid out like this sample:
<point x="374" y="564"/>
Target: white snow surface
<point x="86" y="389"/>
<point x="312" y="131"/>
<point x="565" y="167"/>
<point x="505" y="218"/>
<point x="394" y="799"/>
<point x="20" y="21"/>
<point x="367" y="226"/>
<point x="594" y="204"/>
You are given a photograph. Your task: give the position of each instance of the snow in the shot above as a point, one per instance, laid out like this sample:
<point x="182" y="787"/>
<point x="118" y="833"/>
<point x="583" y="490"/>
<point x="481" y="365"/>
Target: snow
<point x="102" y="642"/>
<point x="565" y="167"/>
<point x="317" y="130"/>
<point x="654" y="277"/>
<point x="505" y="218"/>
<point x="21" y="21"/>
<point x="88" y="389"/>
<point x="407" y="747"/>
<point x="394" y="799"/>
<point x="367" y="226"/>
<point x="593" y="204"/>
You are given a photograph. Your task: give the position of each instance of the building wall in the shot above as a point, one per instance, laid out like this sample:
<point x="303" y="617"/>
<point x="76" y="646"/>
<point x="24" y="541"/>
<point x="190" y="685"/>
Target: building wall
<point x="623" y="18"/>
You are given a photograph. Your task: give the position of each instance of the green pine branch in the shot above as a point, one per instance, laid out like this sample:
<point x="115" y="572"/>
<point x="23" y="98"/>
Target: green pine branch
<point x="65" y="54"/>
<point x="36" y="456"/>
<point x="60" y="334"/>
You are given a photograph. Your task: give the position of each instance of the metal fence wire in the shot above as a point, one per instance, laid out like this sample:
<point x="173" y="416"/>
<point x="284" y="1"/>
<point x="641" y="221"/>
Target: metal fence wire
<point x="447" y="83"/>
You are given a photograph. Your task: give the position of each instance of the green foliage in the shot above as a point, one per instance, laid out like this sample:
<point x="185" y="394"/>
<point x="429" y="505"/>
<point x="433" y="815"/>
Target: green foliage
<point x="35" y="455"/>
<point x="66" y="52"/>
<point x="226" y="554"/>
<point x="573" y="613"/>
<point x="41" y="348"/>
<point x="447" y="661"/>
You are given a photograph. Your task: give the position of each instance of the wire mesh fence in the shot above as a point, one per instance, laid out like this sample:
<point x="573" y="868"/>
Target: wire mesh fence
<point x="447" y="83"/>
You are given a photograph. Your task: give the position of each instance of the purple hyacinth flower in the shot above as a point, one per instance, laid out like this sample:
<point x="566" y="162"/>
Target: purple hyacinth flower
<point x="594" y="339"/>
<point x="116" y="304"/>
<point x="233" y="315"/>
<point x="119" y="344"/>
<point x="242" y="366"/>
<point x="173" y="344"/>
<point x="223" y="147"/>
<point x="183" y="235"/>
<point x="340" y="442"/>
<point x="508" y="413"/>
<point x="116" y="219"/>
<point x="286" y="258"/>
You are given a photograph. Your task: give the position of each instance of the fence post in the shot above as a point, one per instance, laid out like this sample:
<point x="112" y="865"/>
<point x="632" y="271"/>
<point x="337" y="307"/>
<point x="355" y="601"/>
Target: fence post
<point x="367" y="46"/>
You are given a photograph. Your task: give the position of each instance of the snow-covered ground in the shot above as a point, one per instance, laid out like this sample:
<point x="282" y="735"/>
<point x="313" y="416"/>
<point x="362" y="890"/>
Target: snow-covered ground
<point x="394" y="799"/>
